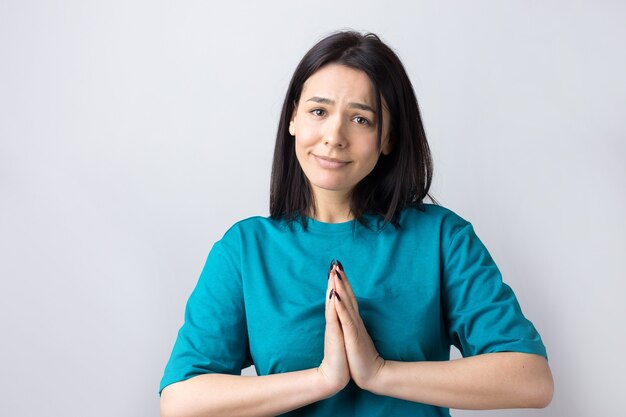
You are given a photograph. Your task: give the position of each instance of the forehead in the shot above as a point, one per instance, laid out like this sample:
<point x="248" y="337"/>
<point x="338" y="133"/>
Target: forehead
<point x="335" y="81"/>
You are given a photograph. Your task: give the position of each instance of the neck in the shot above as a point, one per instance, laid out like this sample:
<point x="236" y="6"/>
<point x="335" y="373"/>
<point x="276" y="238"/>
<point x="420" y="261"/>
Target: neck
<point x="331" y="206"/>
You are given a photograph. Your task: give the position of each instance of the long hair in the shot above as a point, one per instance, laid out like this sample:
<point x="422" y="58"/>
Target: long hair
<point x="399" y="179"/>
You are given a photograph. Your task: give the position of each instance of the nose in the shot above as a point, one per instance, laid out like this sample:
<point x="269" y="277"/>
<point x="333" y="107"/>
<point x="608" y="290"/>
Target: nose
<point x="334" y="133"/>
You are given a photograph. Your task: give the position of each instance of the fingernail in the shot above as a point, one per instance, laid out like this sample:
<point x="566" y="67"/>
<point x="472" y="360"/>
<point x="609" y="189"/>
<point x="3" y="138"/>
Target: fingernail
<point x="338" y="276"/>
<point x="330" y="268"/>
<point x="331" y="293"/>
<point x="337" y="295"/>
<point x="339" y="265"/>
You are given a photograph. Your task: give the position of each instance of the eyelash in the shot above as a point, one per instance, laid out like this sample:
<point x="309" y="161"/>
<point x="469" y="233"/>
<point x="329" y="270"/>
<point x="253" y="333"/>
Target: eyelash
<point x="367" y="122"/>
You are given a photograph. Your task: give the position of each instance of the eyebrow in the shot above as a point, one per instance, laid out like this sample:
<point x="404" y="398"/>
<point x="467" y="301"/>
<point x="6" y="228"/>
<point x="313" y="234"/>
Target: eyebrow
<point x="360" y="106"/>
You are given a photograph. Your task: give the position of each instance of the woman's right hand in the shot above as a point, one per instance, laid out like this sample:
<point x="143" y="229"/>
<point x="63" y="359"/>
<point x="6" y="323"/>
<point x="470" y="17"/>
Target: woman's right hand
<point x="334" y="368"/>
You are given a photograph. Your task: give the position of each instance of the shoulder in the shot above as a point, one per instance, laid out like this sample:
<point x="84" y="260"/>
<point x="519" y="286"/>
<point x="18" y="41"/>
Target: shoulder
<point x="434" y="222"/>
<point x="249" y="223"/>
<point x="255" y="224"/>
<point x="252" y="227"/>
<point x="239" y="235"/>
<point x="432" y="215"/>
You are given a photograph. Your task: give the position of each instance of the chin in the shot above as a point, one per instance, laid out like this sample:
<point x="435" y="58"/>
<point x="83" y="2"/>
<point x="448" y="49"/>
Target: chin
<point x="332" y="185"/>
<point x="330" y="181"/>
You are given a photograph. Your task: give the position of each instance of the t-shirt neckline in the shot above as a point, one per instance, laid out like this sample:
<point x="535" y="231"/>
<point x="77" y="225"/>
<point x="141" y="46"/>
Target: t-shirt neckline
<point x="342" y="227"/>
<point x="319" y="226"/>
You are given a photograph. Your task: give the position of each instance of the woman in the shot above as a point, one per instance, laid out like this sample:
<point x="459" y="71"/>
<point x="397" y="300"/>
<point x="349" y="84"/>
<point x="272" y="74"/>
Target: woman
<point x="371" y="334"/>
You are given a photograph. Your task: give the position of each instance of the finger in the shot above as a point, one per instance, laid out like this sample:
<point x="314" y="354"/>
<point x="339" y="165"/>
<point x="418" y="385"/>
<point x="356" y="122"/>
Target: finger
<point x="332" y="318"/>
<point x="330" y="286"/>
<point x="348" y="302"/>
<point x="345" y="280"/>
<point x="333" y="333"/>
<point x="343" y="286"/>
<point x="346" y="317"/>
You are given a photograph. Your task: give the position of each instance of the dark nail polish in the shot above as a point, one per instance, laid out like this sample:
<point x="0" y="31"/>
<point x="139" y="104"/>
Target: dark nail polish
<point x="337" y="295"/>
<point x="330" y="268"/>
<point x="331" y="293"/>
<point x="339" y="265"/>
<point x="338" y="276"/>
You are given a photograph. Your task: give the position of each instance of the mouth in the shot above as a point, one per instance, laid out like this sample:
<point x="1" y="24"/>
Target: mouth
<point x="332" y="163"/>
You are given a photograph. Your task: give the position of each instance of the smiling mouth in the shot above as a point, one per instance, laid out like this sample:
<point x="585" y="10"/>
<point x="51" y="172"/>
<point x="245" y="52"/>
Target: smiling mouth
<point x="331" y="163"/>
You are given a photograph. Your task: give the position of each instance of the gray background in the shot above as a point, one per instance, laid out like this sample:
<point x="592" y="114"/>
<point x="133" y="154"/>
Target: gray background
<point x="134" y="133"/>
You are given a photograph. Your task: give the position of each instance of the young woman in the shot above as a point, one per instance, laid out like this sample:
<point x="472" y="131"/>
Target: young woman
<point x="348" y="297"/>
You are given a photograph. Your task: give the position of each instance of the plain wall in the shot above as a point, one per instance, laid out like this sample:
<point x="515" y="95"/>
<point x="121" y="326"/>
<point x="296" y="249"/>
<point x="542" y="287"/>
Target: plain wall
<point x="134" y="133"/>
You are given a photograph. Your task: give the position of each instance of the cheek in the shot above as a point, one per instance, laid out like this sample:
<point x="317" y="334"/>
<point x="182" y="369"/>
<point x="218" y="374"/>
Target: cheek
<point x="299" y="152"/>
<point x="369" y="160"/>
<point x="302" y="147"/>
<point x="305" y="134"/>
<point x="305" y="140"/>
<point x="370" y="154"/>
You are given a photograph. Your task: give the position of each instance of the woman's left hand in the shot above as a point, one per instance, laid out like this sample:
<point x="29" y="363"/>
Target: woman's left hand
<point x="363" y="358"/>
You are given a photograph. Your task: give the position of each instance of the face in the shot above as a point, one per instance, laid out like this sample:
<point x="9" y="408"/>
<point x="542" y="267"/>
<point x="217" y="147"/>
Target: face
<point x="335" y="128"/>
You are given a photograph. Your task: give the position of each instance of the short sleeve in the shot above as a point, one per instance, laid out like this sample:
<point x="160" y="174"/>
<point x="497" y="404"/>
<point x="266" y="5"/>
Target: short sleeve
<point x="213" y="338"/>
<point x="482" y="312"/>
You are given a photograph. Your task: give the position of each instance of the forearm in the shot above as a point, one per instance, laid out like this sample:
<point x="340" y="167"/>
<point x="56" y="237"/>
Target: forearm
<point x="235" y="395"/>
<point x="490" y="381"/>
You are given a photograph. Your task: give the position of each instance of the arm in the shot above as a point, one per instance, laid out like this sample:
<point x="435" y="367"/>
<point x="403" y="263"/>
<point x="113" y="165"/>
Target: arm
<point x="219" y="394"/>
<point x="235" y="395"/>
<point x="506" y="379"/>
<point x="488" y="381"/>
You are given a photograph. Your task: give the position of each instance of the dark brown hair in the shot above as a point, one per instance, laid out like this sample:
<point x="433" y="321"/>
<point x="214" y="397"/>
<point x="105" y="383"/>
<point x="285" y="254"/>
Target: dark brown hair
<point x="399" y="179"/>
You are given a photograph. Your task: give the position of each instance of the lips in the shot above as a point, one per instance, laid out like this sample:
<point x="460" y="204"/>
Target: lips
<point x="330" y="163"/>
<point x="326" y="158"/>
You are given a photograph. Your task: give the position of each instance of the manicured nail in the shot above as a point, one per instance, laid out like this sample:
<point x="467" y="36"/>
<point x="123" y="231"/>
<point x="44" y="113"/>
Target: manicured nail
<point x="331" y="293"/>
<point x="339" y="265"/>
<point x="338" y="276"/>
<point x="337" y="295"/>
<point x="330" y="268"/>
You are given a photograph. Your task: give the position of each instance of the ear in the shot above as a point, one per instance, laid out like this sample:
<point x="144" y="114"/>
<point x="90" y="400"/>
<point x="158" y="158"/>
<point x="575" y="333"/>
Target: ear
<point x="292" y="122"/>
<point x="292" y="127"/>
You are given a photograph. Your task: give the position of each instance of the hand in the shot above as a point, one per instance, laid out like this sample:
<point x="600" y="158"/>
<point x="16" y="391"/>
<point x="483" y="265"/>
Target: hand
<point x="364" y="361"/>
<point x="334" y="367"/>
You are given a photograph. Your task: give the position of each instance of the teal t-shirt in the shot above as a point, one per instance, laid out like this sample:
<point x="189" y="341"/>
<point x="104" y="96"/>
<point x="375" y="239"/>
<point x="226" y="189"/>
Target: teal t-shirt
<point x="421" y="288"/>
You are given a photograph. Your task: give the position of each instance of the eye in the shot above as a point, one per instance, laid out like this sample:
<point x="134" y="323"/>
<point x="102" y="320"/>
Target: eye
<point x="361" y="120"/>
<point x="318" y="112"/>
